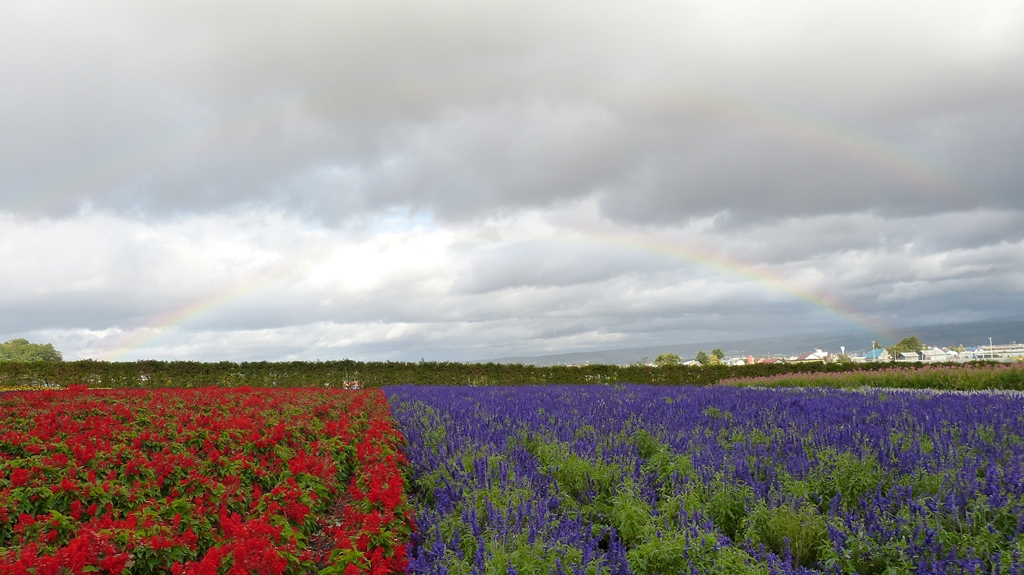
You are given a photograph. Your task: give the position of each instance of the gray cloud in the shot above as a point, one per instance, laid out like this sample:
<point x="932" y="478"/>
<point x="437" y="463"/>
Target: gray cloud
<point x="465" y="111"/>
<point x="254" y="285"/>
<point x="470" y="180"/>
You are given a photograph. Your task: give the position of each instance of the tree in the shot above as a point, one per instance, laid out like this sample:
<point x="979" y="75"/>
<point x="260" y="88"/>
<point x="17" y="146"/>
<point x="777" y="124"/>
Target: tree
<point x="876" y="344"/>
<point x="702" y="358"/>
<point x="717" y="356"/>
<point x="21" y="350"/>
<point x="667" y="359"/>
<point x="911" y="343"/>
<point x="906" y="344"/>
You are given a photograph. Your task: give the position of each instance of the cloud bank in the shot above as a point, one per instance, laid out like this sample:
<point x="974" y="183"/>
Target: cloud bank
<point x="236" y="180"/>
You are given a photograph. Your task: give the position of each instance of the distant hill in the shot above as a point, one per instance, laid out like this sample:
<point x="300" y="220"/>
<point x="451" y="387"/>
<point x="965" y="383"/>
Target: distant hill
<point x="968" y="334"/>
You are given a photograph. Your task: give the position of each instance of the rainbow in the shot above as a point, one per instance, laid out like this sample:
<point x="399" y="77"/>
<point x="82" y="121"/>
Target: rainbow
<point x="116" y="170"/>
<point x="174" y="318"/>
<point x="758" y="274"/>
<point x="62" y="187"/>
<point x="635" y="241"/>
<point x="192" y="310"/>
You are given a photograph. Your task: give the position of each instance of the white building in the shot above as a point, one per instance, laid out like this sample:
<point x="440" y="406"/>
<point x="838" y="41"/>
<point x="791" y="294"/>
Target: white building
<point x="934" y="354"/>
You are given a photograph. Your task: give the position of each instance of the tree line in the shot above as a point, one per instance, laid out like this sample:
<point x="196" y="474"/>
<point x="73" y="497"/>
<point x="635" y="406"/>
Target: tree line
<point x="333" y="374"/>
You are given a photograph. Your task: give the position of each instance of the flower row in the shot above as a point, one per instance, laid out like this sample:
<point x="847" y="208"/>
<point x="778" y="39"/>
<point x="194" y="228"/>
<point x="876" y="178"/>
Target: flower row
<point x="610" y="480"/>
<point x="200" y="481"/>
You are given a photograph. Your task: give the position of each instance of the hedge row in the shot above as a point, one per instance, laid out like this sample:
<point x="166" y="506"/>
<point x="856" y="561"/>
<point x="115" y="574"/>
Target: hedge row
<point x="378" y="374"/>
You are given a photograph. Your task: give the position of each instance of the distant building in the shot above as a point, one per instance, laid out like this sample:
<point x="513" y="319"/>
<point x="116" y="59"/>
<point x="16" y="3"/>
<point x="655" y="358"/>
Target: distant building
<point x="877" y="355"/>
<point x="935" y="354"/>
<point x="810" y="357"/>
<point x="908" y="356"/>
<point x="997" y="351"/>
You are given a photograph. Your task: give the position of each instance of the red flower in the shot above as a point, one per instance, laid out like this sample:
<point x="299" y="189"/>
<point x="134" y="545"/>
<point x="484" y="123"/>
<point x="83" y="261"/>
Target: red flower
<point x="20" y="477"/>
<point x="148" y="469"/>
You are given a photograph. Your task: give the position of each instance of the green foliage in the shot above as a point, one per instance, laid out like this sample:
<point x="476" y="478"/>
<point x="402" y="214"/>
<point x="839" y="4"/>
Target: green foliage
<point x="576" y="476"/>
<point x="632" y="518"/>
<point x="665" y="555"/>
<point x="668" y="359"/>
<point x="714" y="358"/>
<point x="866" y="556"/>
<point x="846" y="475"/>
<point x="906" y="344"/>
<point x="654" y="544"/>
<point x="702" y="358"/>
<point x="22" y="351"/>
<point x="646" y="444"/>
<point x="803" y="531"/>
<point x="332" y="374"/>
<point x="727" y="507"/>
<point x="675" y="553"/>
<point x="715" y="413"/>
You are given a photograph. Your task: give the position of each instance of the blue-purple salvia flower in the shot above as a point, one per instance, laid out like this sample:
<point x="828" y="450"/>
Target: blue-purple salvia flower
<point x="746" y="480"/>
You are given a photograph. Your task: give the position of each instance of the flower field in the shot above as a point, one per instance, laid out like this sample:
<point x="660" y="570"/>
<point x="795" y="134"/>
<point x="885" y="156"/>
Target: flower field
<point x="654" y="480"/>
<point x="970" y="377"/>
<point x="201" y="481"/>
<point x="589" y="480"/>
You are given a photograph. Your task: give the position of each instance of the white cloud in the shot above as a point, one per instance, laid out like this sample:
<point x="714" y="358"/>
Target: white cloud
<point x="262" y="284"/>
<point x="464" y="179"/>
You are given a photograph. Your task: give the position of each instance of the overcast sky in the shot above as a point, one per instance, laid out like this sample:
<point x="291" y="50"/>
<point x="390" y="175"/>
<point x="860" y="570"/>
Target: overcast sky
<point x="468" y="180"/>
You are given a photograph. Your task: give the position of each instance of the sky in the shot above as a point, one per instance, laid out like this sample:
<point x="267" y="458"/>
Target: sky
<point x="448" y="180"/>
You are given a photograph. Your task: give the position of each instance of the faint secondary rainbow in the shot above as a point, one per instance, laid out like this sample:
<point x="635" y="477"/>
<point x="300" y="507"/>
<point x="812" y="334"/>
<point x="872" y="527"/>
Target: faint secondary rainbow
<point x="117" y="169"/>
<point x="851" y="144"/>
<point x="129" y="164"/>
<point x="133" y="163"/>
